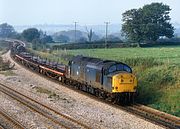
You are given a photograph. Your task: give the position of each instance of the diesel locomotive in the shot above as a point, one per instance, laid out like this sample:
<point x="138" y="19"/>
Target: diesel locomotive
<point x="107" y="79"/>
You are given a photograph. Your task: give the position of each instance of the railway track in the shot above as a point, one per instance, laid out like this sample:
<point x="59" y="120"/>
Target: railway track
<point x="142" y="111"/>
<point x="12" y="122"/>
<point x="145" y="112"/>
<point x="159" y="117"/>
<point x="58" y="118"/>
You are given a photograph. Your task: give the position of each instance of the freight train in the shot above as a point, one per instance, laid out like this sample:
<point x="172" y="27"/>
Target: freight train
<point x="106" y="79"/>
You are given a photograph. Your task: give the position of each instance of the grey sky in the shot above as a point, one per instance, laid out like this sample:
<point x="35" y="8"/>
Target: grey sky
<point x="24" y="12"/>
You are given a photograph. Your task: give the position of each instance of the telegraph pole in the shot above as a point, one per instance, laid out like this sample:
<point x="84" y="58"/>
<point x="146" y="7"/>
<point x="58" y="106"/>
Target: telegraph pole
<point x="107" y="23"/>
<point x="75" y="24"/>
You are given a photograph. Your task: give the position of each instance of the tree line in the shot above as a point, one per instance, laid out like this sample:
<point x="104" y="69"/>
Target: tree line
<point x="147" y="24"/>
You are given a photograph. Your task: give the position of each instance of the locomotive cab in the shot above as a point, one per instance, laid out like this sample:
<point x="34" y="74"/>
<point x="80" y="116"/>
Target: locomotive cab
<point x="124" y="82"/>
<point x="121" y="77"/>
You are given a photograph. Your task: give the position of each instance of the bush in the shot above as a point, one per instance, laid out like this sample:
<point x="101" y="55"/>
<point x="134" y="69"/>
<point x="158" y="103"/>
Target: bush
<point x="4" y="65"/>
<point x="71" y="46"/>
<point x="152" y="81"/>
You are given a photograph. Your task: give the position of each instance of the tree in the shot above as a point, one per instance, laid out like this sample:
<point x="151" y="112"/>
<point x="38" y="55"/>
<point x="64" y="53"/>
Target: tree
<point x="148" y="23"/>
<point x="47" y="39"/>
<point x="61" y="38"/>
<point x="89" y="34"/>
<point x="6" y="31"/>
<point x="111" y="38"/>
<point x="44" y="38"/>
<point x="30" y="34"/>
<point x="82" y="40"/>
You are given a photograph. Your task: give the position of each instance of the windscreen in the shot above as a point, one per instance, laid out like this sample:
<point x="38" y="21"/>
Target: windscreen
<point x="120" y="67"/>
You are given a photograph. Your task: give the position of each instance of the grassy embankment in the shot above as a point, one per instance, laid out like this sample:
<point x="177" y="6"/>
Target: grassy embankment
<point x="4" y="65"/>
<point x="3" y="47"/>
<point x="157" y="70"/>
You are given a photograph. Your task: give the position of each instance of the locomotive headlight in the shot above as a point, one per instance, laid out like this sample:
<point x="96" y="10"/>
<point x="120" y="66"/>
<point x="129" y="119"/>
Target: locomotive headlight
<point x="122" y="80"/>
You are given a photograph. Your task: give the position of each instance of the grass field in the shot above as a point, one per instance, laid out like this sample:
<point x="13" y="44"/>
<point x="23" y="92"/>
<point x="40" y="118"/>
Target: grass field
<point x="157" y="69"/>
<point x="168" y="54"/>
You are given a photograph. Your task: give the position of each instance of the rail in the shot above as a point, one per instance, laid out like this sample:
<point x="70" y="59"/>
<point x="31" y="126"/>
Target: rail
<point x="13" y="121"/>
<point x="159" y="117"/>
<point x="46" y="111"/>
<point x="148" y="113"/>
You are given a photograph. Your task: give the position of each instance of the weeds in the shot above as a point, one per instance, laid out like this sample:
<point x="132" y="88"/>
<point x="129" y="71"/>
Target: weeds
<point x="5" y="65"/>
<point x="8" y="73"/>
<point x="50" y="94"/>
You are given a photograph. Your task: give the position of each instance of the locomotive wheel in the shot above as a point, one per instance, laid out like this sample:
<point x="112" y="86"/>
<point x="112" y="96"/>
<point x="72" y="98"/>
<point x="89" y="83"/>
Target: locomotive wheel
<point x="60" y="79"/>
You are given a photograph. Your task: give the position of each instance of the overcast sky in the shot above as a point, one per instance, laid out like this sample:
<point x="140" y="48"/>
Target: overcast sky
<point x="30" y="12"/>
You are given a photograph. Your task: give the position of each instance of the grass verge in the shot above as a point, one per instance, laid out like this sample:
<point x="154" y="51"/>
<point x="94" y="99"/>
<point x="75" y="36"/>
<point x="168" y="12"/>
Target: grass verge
<point x="157" y="70"/>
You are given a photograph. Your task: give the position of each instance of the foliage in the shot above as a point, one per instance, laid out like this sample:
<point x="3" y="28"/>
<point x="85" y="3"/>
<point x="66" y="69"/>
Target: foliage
<point x="89" y="34"/>
<point x="82" y="40"/>
<point x="111" y="38"/>
<point x="46" y="39"/>
<point x="92" y="45"/>
<point x="148" y="23"/>
<point x="6" y="30"/>
<point x="68" y="36"/>
<point x="4" y="46"/>
<point x="31" y="34"/>
<point x="37" y="38"/>
<point x="4" y="65"/>
<point x="61" y="38"/>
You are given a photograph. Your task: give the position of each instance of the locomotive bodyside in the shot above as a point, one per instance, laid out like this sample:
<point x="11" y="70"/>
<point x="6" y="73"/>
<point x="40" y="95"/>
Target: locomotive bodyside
<point x="114" y="78"/>
<point x="103" y="78"/>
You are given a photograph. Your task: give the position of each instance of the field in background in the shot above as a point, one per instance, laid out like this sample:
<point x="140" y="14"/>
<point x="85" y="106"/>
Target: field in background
<point x="157" y="69"/>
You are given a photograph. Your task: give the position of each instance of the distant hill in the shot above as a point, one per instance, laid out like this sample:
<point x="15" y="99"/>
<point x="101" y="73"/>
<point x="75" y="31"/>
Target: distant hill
<point x="71" y="34"/>
<point x="80" y="35"/>
<point x="50" y="29"/>
<point x="113" y="29"/>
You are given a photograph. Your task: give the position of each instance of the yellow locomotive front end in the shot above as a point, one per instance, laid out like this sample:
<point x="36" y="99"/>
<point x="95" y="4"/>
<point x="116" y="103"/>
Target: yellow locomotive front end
<point x="124" y="83"/>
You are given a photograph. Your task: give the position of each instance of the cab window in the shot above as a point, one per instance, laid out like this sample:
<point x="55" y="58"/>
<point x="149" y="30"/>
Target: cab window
<point x="128" y="69"/>
<point x="120" y="67"/>
<point x="112" y="69"/>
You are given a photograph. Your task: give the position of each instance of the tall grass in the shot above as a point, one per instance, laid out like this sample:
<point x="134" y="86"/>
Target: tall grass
<point x="157" y="70"/>
<point x="141" y="61"/>
<point x="4" y="65"/>
<point x="158" y="87"/>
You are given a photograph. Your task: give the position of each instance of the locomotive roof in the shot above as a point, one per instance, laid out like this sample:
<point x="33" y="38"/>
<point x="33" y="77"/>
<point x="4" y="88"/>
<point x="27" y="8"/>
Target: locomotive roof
<point x="94" y="62"/>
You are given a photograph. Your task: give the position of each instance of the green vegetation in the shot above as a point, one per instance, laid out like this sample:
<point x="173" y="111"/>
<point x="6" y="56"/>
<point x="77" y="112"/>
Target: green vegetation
<point x="5" y="68"/>
<point x="148" y="23"/>
<point x="50" y="94"/>
<point x="8" y="73"/>
<point x="7" y="31"/>
<point x="4" y="65"/>
<point x="157" y="69"/>
<point x="92" y="45"/>
<point x="3" y="46"/>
